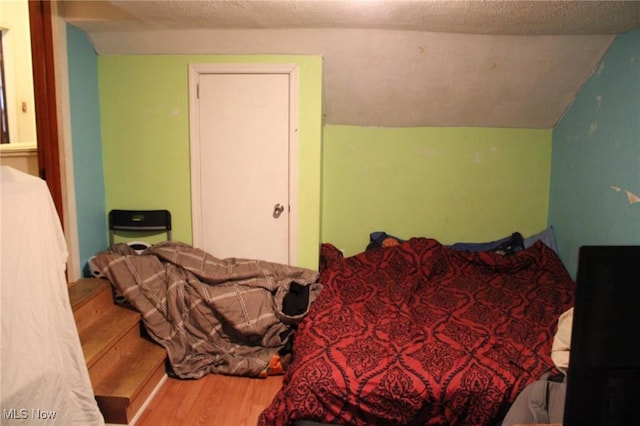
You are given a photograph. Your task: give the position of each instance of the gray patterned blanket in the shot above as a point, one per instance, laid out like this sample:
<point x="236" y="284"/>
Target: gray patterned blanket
<point x="212" y="315"/>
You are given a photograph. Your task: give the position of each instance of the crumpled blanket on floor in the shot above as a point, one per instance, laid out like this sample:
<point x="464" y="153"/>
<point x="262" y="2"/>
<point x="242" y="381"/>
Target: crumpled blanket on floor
<point x="212" y="315"/>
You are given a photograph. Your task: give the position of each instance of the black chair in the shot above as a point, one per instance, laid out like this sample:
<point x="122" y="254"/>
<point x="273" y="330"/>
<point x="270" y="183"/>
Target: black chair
<point x="139" y="220"/>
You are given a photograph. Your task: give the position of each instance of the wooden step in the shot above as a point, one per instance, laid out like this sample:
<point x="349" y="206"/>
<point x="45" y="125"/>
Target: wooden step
<point x="111" y="359"/>
<point x="135" y="371"/>
<point x="124" y="366"/>
<point x="99" y="336"/>
<point x="89" y="297"/>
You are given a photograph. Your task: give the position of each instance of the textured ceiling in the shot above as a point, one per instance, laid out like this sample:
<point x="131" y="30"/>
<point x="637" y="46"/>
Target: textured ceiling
<point x="393" y="62"/>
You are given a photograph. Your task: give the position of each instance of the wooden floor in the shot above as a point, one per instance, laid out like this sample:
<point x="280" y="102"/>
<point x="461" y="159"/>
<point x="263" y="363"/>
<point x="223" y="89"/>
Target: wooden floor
<point x="212" y="400"/>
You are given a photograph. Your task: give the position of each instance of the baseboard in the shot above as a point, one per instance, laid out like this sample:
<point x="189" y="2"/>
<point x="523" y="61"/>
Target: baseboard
<point x="144" y="405"/>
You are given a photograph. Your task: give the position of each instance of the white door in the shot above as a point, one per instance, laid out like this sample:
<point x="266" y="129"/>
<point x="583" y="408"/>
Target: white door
<point x="243" y="175"/>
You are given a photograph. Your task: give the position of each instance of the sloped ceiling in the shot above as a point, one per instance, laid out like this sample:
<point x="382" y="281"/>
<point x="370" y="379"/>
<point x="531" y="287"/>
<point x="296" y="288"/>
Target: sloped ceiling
<point x="390" y="63"/>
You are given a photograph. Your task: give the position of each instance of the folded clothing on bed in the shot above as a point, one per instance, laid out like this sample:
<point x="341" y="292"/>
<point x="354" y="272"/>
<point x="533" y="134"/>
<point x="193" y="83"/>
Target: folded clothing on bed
<point x="507" y="245"/>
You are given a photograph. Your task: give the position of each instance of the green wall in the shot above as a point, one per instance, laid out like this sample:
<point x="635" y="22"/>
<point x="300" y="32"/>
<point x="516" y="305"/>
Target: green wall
<point x="145" y="137"/>
<point x="452" y="184"/>
<point x="595" y="179"/>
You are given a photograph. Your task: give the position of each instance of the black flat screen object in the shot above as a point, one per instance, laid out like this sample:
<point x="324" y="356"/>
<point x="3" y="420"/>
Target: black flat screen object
<point x="603" y="381"/>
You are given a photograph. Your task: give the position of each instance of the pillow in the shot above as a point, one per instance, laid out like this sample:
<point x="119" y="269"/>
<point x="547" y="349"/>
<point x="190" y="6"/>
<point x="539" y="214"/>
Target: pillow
<point x="548" y="237"/>
<point x="382" y="239"/>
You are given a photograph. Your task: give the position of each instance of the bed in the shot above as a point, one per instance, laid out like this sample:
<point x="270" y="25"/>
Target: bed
<point x="418" y="333"/>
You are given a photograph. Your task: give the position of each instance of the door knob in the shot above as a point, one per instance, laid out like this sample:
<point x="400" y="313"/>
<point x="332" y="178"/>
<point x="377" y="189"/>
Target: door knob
<point x="277" y="210"/>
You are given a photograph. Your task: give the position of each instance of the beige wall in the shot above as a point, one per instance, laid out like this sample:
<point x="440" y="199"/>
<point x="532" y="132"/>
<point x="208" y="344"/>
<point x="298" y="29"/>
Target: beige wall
<point x="20" y="157"/>
<point x="16" y="42"/>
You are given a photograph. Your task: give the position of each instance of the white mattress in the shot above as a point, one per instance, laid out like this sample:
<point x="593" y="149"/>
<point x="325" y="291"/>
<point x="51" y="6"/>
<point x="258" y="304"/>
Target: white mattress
<point x="44" y="376"/>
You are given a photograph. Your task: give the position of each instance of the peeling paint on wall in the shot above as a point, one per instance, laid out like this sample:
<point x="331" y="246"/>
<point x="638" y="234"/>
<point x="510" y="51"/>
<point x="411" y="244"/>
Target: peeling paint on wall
<point x="598" y="102"/>
<point x="589" y="163"/>
<point x="633" y="198"/>
<point x="572" y="138"/>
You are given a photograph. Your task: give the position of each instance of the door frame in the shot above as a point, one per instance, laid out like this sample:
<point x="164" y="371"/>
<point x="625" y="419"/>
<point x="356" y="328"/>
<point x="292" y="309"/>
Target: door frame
<point x="51" y="105"/>
<point x="291" y="69"/>
<point x="44" y="89"/>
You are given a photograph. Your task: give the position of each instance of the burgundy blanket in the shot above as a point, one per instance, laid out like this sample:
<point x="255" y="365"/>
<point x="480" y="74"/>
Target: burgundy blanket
<point x="420" y="334"/>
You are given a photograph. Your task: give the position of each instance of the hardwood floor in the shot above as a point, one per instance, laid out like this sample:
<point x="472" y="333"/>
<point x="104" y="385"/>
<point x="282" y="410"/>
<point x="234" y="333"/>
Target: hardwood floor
<point x="212" y="400"/>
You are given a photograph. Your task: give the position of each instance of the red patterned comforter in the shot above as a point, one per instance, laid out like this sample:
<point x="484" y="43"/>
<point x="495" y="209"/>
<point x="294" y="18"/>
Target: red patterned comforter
<point x="420" y="334"/>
